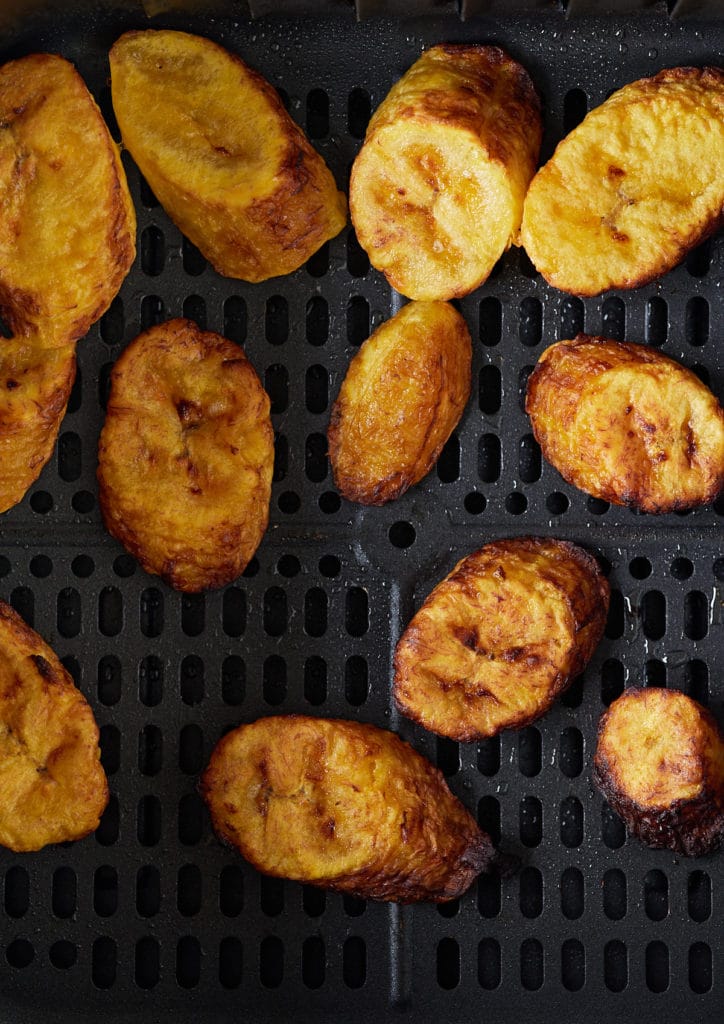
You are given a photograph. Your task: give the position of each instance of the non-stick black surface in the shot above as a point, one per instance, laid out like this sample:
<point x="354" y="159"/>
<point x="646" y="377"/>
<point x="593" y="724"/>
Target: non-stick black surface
<point x="151" y="919"/>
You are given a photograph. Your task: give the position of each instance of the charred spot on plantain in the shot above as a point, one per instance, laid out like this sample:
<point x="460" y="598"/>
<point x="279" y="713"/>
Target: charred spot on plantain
<point x="190" y="413"/>
<point x="42" y="666"/>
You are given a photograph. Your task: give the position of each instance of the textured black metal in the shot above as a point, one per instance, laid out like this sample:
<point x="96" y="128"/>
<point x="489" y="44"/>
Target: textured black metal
<point x="152" y="919"/>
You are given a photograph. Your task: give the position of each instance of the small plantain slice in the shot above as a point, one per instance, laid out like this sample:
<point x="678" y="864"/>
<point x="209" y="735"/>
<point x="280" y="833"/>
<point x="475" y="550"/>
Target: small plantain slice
<point x="437" y="190"/>
<point x="186" y="456"/>
<point x="35" y="385"/>
<point x="67" y="223"/>
<point x="500" y="638"/>
<point x="226" y="161"/>
<point x="344" y="806"/>
<point x="660" y="765"/>
<point x="633" y="188"/>
<point x="52" y="786"/>
<point x="627" y="424"/>
<point x="403" y="395"/>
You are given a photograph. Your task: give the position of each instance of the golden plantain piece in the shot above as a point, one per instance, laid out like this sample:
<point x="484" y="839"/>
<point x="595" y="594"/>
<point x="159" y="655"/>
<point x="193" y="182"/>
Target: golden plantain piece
<point x="660" y="765"/>
<point x="633" y="188"/>
<point x="344" y="806"/>
<point x="227" y="163"/>
<point x="627" y="424"/>
<point x="52" y="785"/>
<point x="500" y="638"/>
<point x="402" y="397"/>
<point x="436" y="193"/>
<point x="35" y="386"/>
<point x="67" y="223"/>
<point x="186" y="455"/>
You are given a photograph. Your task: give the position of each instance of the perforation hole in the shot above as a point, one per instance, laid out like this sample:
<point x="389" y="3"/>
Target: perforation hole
<point x="153" y="250"/>
<point x="613" y="831"/>
<point x="69" y="456"/>
<point x="233" y="680"/>
<point x="448" y="756"/>
<point x="531" y="965"/>
<point x="597" y="506"/>
<point x="656" y="895"/>
<point x="316" y="389"/>
<point x="696" y="615"/>
<point x="530" y="824"/>
<point x="531" y="322"/>
<point x="615" y="966"/>
<point x="16" y="892"/>
<point x="654" y="673"/>
<point x="359" y="111"/>
<point x="147" y="963"/>
<point x="653" y="614"/>
<point x="571" y="752"/>
<point x="356" y="620"/>
<point x="235" y="319"/>
<point x="354" y="962"/>
<point x="357" y="260"/>
<point x="233" y="612"/>
<point x="572" y="894"/>
<point x="354" y="906"/>
<point x="358" y="320"/>
<point x="315" y="681"/>
<point x="274" y="686"/>
<point x="271" y="962"/>
<point x="110" y="744"/>
<point x="530" y="894"/>
<point x="41" y="567"/>
<point x="107" y="831"/>
<point x="696" y="323"/>
<point x="489" y="896"/>
<point x="356" y="681"/>
<point x="276" y="385"/>
<point x="151" y="612"/>
<point x="64" y="892"/>
<point x="41" y="502"/>
<point x="700" y="968"/>
<point x="194" y="308"/>
<point x="489" y="964"/>
<point x="616" y="621"/>
<point x="571" y="822"/>
<point x="148" y="820"/>
<point x="316" y="466"/>
<point x="150" y="681"/>
<point x="314" y="901"/>
<point x="529" y="459"/>
<point x="231" y="891"/>
<point x="448" y="964"/>
<point x="523" y="376"/>
<point x="657" y="967"/>
<point x="148" y="891"/>
<point x="5" y="566"/>
<point x="612" y="680"/>
<point x="317" y="321"/>
<point x="102" y="963"/>
<point x="230" y="962"/>
<point x="488" y="757"/>
<point x="20" y="953"/>
<point x="557" y="503"/>
<point x="575" y="107"/>
<point x="329" y="502"/>
<point x="191" y="749"/>
<point x="474" y="503"/>
<point x="148" y="199"/>
<point x="489" y="459"/>
<point x="525" y="265"/>
<point x="63" y="954"/>
<point x="22" y="600"/>
<point x="112" y="323"/>
<point x="572" y="314"/>
<point x="153" y="311"/>
<point x="281" y="457"/>
<point x="613" y="318"/>
<point x="490" y="321"/>
<point x="190" y="819"/>
<point x="529" y="751"/>
<point x="192" y="680"/>
<point x="516" y="503"/>
<point x="489" y="390"/>
<point x="318" y="263"/>
<point x="699" y="896"/>
<point x="150" y="750"/>
<point x="448" y="464"/>
<point x="188" y="962"/>
<point x="105" y="891"/>
<point x="124" y="566"/>
<point x="489" y="816"/>
<point x="289" y="502"/>
<point x="573" y="965"/>
<point x="330" y="566"/>
<point x="276" y="325"/>
<point x="699" y="259"/>
<point x="656" y="326"/>
<point x="314" y="962"/>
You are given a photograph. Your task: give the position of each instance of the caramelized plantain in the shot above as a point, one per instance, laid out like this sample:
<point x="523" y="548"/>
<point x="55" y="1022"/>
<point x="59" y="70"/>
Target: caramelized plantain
<point x="660" y="765"/>
<point x="500" y="638"/>
<point x="52" y="786"/>
<point x="402" y="397"/>
<point x="437" y="190"/>
<point x="344" y="806"/>
<point x="627" y="424"/>
<point x="186" y="456"/>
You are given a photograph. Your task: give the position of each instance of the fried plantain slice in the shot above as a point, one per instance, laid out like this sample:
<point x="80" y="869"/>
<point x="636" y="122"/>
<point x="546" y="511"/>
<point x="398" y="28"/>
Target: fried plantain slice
<point x="627" y="424"/>
<point x="228" y="164"/>
<point x="344" y="806"/>
<point x="52" y="785"/>
<point x="633" y="188"/>
<point x="67" y="223"/>
<point x="660" y="765"/>
<point x="186" y="455"/>
<point x="402" y="397"/>
<point x="436" y="193"/>
<point x="35" y="385"/>
<point x="501" y="637"/>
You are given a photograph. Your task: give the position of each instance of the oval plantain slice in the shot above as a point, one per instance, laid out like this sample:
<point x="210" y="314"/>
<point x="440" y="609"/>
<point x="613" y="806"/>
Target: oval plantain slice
<point x="500" y="638"/>
<point x="633" y="188"/>
<point x="344" y="806"/>
<point x="437" y="190"/>
<point x="402" y="397"/>
<point x="52" y="785"/>
<point x="627" y="424"/>
<point x="67" y="223"/>
<point x="226" y="161"/>
<point x="186" y="455"/>
<point x="35" y="385"/>
<point x="660" y="765"/>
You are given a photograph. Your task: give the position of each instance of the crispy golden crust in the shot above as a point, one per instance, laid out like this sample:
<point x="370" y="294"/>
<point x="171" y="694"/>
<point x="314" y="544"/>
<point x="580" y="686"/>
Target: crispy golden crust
<point x="501" y="637"/>
<point x="186" y="455"/>
<point x="35" y="386"/>
<point x="227" y="163"/>
<point x="402" y="397"/>
<point x="660" y="765"/>
<point x="627" y="424"/>
<point x="344" y="806"/>
<point x="67" y="230"/>
<point x="633" y="188"/>
<point x="52" y="785"/>
<point x="437" y="190"/>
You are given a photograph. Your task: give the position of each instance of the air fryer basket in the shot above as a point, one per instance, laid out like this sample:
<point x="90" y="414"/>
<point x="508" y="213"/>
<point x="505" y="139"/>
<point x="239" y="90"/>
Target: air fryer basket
<point x="152" y="919"/>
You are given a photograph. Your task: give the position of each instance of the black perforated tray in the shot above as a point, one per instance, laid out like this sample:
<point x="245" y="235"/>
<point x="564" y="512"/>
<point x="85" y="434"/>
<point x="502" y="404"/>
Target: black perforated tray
<point x="152" y="919"/>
